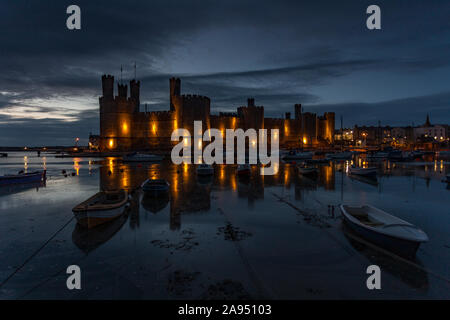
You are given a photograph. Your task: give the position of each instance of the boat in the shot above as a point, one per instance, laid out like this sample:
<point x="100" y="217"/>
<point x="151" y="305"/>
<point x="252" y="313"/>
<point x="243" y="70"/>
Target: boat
<point x="87" y="240"/>
<point x="417" y="154"/>
<point x="3" y="155"/>
<point x="378" y="155"/>
<point x="318" y="161"/>
<point x="395" y="154"/>
<point x="141" y="157"/>
<point x="20" y="178"/>
<point x="371" y="180"/>
<point x="400" y="156"/>
<point x="155" y="187"/>
<point x="306" y="171"/>
<point x="155" y="204"/>
<point x="243" y="169"/>
<point x="294" y="155"/>
<point x="444" y="154"/>
<point x="371" y="171"/>
<point x="383" y="229"/>
<point x="205" y="169"/>
<point x="345" y="155"/>
<point x="100" y="208"/>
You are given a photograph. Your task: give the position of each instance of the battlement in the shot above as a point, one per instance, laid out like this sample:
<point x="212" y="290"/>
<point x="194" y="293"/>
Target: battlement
<point x="192" y="97"/>
<point x="122" y="90"/>
<point x="162" y="115"/>
<point x="124" y="127"/>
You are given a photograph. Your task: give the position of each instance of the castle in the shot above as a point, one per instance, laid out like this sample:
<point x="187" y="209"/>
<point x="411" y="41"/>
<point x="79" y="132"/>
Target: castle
<point x="125" y="127"/>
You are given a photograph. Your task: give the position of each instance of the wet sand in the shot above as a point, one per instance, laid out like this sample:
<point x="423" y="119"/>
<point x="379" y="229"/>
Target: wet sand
<point x="223" y="237"/>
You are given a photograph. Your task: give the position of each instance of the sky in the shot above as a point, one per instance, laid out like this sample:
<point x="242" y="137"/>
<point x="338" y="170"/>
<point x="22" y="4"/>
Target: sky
<point x="317" y="53"/>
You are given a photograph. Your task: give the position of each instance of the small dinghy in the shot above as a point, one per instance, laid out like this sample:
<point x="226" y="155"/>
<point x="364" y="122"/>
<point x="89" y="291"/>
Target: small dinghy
<point x="384" y="229"/>
<point x="306" y="171"/>
<point x="100" y="208"/>
<point x="292" y="155"/>
<point x="378" y="156"/>
<point x="243" y="170"/>
<point x="3" y="155"/>
<point x="318" y="161"/>
<point x="31" y="177"/>
<point x="371" y="171"/>
<point x="155" y="187"/>
<point x="444" y="154"/>
<point x="345" y="155"/>
<point x="205" y="169"/>
<point x="141" y="157"/>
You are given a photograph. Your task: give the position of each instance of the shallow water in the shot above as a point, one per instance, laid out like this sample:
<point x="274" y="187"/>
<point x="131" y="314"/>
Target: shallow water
<point x="219" y="237"/>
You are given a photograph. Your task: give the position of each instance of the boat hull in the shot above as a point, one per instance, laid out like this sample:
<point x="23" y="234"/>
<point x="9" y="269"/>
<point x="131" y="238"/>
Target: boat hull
<point x="205" y="172"/>
<point x="155" y="192"/>
<point x="21" y="179"/>
<point x="92" y="218"/>
<point x="363" y="172"/>
<point x="402" y="247"/>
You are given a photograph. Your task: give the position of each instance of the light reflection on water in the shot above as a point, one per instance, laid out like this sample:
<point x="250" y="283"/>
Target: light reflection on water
<point x="281" y="241"/>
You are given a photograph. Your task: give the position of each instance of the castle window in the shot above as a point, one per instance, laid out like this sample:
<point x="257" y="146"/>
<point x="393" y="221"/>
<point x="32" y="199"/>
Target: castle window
<point x="125" y="127"/>
<point x="111" y="143"/>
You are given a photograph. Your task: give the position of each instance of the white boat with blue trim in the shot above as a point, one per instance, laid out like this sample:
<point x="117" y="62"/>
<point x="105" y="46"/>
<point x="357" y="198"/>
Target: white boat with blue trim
<point x="383" y="229"/>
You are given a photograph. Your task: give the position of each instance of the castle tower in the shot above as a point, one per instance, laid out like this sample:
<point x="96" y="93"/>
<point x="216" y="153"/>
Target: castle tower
<point x="108" y="87"/>
<point x="298" y="111"/>
<point x="122" y="90"/>
<point x="135" y="93"/>
<point x="175" y="91"/>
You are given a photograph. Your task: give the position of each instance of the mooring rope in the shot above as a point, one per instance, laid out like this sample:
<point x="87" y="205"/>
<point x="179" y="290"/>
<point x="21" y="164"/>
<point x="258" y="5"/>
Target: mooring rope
<point x="35" y="253"/>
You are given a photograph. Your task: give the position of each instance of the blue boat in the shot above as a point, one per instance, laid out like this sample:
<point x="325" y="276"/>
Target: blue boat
<point x="21" y="178"/>
<point x="155" y="187"/>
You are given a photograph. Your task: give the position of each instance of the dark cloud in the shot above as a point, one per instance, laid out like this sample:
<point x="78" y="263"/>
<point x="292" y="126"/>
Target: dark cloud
<point x="280" y="52"/>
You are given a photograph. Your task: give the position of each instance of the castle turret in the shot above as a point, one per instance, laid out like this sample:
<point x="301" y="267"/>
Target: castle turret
<point x="175" y="91"/>
<point x="298" y="111"/>
<point x="122" y="90"/>
<point x="135" y="90"/>
<point x="135" y="93"/>
<point x="108" y="86"/>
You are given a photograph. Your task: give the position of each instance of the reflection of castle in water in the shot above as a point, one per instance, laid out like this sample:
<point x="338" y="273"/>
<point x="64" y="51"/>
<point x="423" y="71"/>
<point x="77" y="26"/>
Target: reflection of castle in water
<point x="190" y="193"/>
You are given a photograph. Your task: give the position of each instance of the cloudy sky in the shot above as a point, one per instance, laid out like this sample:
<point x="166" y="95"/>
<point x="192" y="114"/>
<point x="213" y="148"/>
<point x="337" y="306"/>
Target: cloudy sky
<point x="318" y="53"/>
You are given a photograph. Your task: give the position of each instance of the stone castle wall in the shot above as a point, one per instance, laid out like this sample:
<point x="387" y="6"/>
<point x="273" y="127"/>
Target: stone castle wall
<point x="123" y="127"/>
